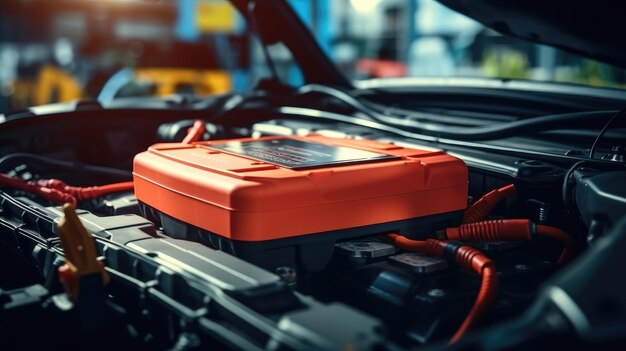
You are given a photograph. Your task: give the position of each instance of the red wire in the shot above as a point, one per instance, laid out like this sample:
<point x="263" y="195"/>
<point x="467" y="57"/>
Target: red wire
<point x="429" y="246"/>
<point x="480" y="209"/>
<point x="58" y="191"/>
<point x="474" y="260"/>
<point x="52" y="195"/>
<point x="486" y="297"/>
<point x="93" y="192"/>
<point x="195" y="133"/>
<point x="492" y="230"/>
<point x="468" y="258"/>
<point x="86" y="193"/>
<point x="569" y="245"/>
<point x="12" y="182"/>
<point x="511" y="229"/>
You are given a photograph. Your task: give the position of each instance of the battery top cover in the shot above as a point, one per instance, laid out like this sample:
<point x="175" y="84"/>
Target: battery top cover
<point x="259" y="189"/>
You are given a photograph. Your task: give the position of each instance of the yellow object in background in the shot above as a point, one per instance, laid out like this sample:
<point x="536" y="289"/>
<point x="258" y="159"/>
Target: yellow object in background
<point x="215" y="16"/>
<point x="21" y="96"/>
<point x="51" y="85"/>
<point x="169" y="80"/>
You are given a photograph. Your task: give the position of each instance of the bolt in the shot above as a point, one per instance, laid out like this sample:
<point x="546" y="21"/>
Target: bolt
<point x="287" y="274"/>
<point x="544" y="212"/>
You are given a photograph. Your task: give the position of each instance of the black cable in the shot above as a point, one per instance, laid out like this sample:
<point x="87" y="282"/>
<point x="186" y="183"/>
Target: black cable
<point x="566" y="194"/>
<point x="11" y="159"/>
<point x="500" y="130"/>
<point x="565" y="188"/>
<point x="602" y="132"/>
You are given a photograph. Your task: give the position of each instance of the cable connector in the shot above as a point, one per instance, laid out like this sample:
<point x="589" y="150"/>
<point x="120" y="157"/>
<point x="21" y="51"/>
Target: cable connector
<point x="85" y="193"/>
<point x="492" y="230"/>
<point x="480" y="209"/>
<point x="195" y="133"/>
<point x="510" y="230"/>
<point x="466" y="257"/>
<point x="54" y="195"/>
<point x="35" y="188"/>
<point x="80" y="253"/>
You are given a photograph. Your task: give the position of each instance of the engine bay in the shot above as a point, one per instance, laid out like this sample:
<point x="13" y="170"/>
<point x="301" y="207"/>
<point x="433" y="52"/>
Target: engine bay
<point x="286" y="232"/>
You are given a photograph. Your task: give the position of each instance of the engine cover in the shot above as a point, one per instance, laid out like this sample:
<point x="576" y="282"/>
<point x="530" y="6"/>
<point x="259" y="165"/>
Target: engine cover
<point x="276" y="192"/>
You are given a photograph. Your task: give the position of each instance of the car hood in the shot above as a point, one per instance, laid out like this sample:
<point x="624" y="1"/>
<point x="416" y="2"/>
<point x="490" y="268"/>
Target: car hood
<point x="589" y="28"/>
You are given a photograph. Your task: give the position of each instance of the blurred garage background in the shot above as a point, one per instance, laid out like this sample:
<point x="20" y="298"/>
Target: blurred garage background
<point x="55" y="51"/>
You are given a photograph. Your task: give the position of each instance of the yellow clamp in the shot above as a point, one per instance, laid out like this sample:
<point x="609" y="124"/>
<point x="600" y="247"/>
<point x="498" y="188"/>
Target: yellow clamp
<point x="80" y="252"/>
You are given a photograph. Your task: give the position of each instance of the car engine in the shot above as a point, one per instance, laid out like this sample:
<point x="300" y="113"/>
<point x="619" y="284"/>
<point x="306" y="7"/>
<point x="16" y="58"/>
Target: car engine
<point x="285" y="232"/>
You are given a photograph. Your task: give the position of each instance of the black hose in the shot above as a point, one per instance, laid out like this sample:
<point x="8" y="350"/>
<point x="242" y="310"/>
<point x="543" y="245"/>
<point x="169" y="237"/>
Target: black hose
<point x="566" y="195"/>
<point x="602" y="132"/>
<point x="12" y="159"/>
<point x="531" y="125"/>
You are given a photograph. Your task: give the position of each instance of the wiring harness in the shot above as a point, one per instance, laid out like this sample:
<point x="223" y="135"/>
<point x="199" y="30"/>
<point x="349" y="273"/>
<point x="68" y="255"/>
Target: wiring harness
<point x="57" y="191"/>
<point x="50" y="194"/>
<point x="476" y="229"/>
<point x="466" y="257"/>
<point x="511" y="230"/>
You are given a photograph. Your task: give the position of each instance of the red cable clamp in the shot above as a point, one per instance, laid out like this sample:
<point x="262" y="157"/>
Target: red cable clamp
<point x="513" y="230"/>
<point x="468" y="258"/>
<point x="480" y="209"/>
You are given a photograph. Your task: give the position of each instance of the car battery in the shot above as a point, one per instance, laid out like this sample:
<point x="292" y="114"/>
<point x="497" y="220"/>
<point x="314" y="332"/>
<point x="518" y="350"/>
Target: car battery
<point x="286" y="201"/>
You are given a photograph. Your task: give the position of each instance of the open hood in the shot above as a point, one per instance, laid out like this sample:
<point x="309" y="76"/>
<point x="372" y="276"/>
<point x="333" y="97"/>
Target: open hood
<point x="589" y="28"/>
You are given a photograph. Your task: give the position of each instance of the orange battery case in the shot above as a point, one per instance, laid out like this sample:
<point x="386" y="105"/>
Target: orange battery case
<point x="266" y="197"/>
